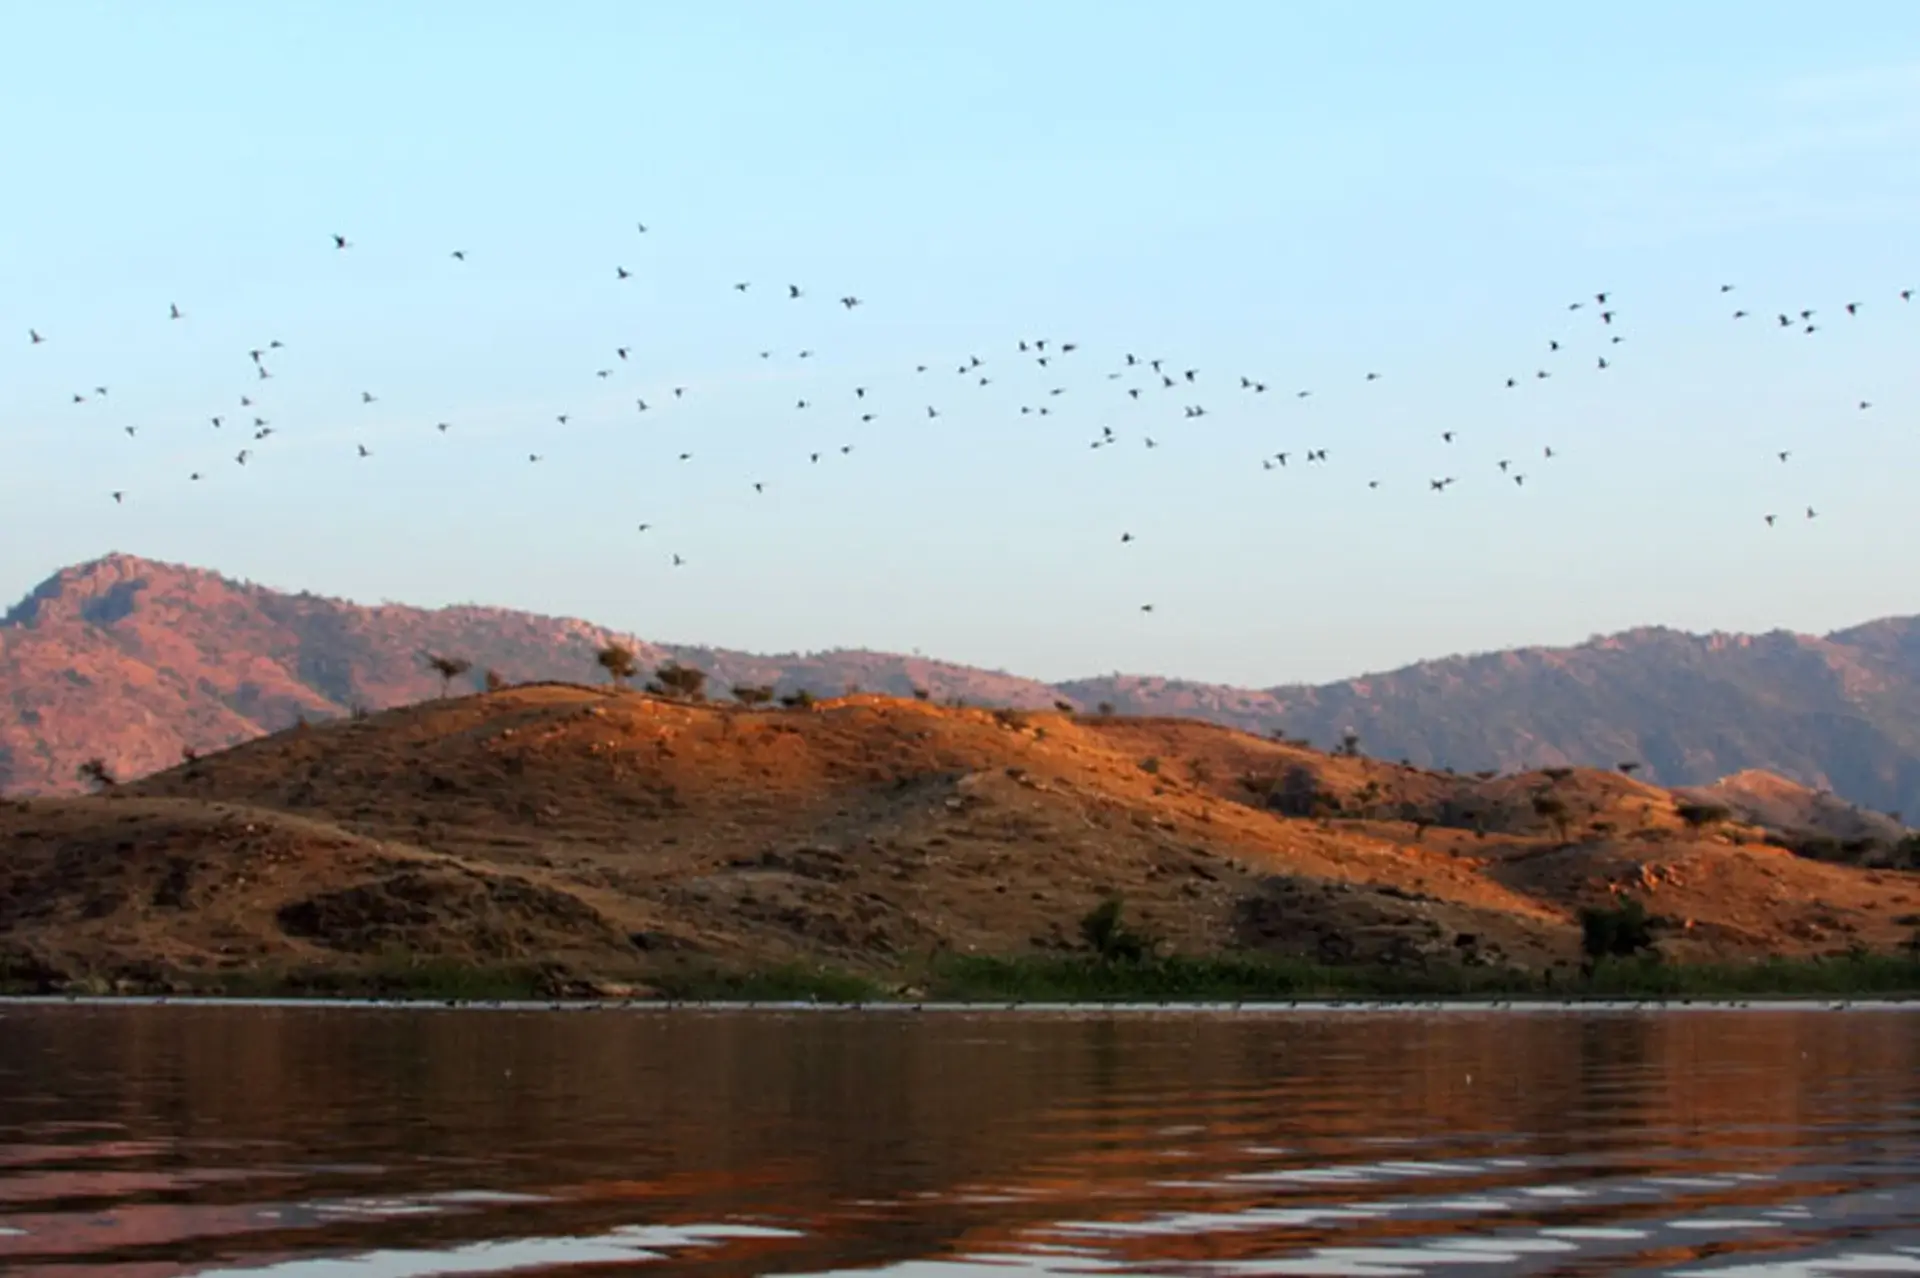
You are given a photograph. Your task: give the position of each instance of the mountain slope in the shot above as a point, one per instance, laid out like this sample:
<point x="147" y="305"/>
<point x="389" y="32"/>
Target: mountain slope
<point x="133" y="662"/>
<point x="1840" y="712"/>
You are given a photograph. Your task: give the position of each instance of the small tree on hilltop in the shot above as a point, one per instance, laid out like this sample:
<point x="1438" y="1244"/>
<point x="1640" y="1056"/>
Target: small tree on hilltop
<point x="96" y="774"/>
<point x="617" y="660"/>
<point x="1628" y="768"/>
<point x="752" y="694"/>
<point x="676" y="680"/>
<point x="448" y="668"/>
<point x="1699" y="816"/>
<point x="494" y="680"/>
<point x="1350" y="744"/>
<point x="1551" y="807"/>
<point x="800" y="699"/>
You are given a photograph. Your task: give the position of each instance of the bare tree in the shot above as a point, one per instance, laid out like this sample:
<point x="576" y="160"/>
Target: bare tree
<point x="448" y="668"/>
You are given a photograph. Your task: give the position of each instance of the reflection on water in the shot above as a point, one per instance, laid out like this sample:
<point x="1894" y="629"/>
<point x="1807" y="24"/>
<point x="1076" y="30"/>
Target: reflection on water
<point x="149" y="1142"/>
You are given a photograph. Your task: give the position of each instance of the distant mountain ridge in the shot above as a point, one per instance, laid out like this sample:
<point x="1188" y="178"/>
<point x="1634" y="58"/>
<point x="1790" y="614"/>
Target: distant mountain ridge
<point x="134" y="662"/>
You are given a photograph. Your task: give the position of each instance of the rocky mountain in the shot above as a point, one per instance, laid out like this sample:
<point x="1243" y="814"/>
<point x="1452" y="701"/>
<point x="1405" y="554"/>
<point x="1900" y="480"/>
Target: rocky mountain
<point x="135" y="662"/>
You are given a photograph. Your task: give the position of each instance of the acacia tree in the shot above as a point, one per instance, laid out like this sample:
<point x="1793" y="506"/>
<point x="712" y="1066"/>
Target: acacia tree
<point x="448" y="668"/>
<point x="676" y="680"/>
<point x="1553" y="808"/>
<point x="752" y="694"/>
<point x="617" y="660"/>
<point x="96" y="774"/>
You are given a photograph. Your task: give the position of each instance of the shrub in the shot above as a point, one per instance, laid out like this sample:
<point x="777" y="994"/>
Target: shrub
<point x="1620" y="932"/>
<point x="1105" y="707"/>
<point x="1064" y="707"/>
<point x="1700" y="815"/>
<point x="752" y="694"/>
<point x="1107" y="934"/>
<point x="97" y="774"/>
<point x="922" y="694"/>
<point x="798" y="700"/>
<point x="494" y="680"/>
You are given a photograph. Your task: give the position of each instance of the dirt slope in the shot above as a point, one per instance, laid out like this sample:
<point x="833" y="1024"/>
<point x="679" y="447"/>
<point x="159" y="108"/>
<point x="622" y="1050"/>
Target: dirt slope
<point x="619" y="832"/>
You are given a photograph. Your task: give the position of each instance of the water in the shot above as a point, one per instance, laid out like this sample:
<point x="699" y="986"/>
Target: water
<point x="303" y="1142"/>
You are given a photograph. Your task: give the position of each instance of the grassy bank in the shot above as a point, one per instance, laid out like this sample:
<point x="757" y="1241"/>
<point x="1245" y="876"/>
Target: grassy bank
<point x="1037" y="979"/>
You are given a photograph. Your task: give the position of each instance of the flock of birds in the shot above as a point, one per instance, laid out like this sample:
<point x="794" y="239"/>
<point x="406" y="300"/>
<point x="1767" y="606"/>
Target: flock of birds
<point x="1140" y="378"/>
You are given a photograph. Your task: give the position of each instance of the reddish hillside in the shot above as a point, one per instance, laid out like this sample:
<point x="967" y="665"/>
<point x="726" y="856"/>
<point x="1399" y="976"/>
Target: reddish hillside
<point x="133" y="661"/>
<point x="618" y="832"/>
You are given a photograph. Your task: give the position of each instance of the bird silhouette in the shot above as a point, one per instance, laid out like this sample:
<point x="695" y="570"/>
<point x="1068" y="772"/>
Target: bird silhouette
<point x="340" y="242"/>
<point x="173" y="311"/>
<point x="621" y="272"/>
<point x="34" y="338"/>
<point x="793" y="292"/>
<point x="118" y="497"/>
<point x="363" y="450"/>
<point x="459" y="255"/>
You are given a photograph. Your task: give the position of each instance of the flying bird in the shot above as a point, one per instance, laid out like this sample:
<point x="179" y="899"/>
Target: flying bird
<point x="173" y="310"/>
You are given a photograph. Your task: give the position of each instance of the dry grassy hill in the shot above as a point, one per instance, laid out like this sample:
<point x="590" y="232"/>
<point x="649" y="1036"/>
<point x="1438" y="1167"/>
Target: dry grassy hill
<point x="620" y="834"/>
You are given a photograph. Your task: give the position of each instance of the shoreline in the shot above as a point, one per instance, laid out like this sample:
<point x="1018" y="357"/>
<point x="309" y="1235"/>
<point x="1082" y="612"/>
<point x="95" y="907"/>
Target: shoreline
<point x="1244" y="1007"/>
<point x="978" y="982"/>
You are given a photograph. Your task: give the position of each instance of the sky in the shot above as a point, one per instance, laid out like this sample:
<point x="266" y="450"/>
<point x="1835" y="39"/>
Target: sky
<point x="1299" y="194"/>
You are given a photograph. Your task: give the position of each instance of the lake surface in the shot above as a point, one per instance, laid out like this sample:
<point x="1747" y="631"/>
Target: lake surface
<point x="300" y="1142"/>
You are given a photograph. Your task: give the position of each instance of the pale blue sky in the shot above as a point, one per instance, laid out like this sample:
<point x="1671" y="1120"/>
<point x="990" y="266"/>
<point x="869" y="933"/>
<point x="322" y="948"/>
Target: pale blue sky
<point x="1298" y="192"/>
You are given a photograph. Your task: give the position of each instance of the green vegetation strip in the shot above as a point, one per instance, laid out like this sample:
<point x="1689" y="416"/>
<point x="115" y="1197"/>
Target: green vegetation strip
<point x="1073" y="979"/>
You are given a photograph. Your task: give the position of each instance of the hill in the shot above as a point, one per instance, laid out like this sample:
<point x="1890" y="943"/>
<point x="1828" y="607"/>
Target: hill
<point x="619" y="835"/>
<point x="134" y="661"/>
